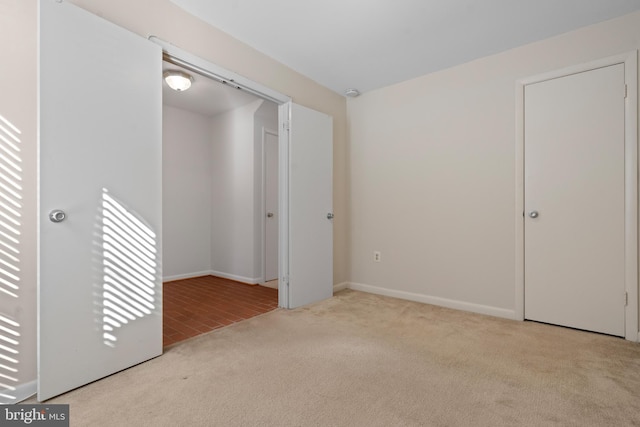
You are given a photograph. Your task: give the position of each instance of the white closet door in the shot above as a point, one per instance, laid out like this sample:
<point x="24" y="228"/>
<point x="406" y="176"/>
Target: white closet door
<point x="100" y="289"/>
<point x="270" y="151"/>
<point x="575" y="200"/>
<point x="310" y="206"/>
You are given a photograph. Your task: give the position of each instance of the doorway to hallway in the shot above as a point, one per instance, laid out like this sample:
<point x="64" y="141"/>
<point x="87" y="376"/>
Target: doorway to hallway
<point x="213" y="172"/>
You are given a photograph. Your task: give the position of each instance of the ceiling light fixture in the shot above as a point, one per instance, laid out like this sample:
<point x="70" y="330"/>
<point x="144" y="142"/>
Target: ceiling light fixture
<point x="352" y="93"/>
<point x="178" y="80"/>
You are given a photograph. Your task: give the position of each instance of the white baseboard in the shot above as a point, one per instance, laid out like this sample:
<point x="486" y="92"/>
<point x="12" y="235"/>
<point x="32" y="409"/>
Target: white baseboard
<point x="340" y="287"/>
<point x="186" y="276"/>
<point x="248" y="280"/>
<point x="22" y="392"/>
<point x="443" y="302"/>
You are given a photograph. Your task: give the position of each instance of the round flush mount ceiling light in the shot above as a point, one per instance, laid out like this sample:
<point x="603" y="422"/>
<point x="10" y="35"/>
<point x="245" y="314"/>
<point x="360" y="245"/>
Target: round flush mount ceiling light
<point x="177" y="80"/>
<point x="352" y="93"/>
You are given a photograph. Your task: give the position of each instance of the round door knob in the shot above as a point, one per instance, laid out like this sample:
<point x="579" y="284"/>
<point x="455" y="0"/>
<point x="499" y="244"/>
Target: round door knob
<point x="57" y="215"/>
<point x="269" y="214"/>
<point x="534" y="214"/>
<point x="329" y="215"/>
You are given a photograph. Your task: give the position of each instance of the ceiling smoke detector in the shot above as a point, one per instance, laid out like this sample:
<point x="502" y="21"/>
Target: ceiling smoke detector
<point x="352" y="93"/>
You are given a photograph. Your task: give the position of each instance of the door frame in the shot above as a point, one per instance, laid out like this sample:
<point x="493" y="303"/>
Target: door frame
<point x="630" y="61"/>
<point x="178" y="56"/>
<point x="275" y="133"/>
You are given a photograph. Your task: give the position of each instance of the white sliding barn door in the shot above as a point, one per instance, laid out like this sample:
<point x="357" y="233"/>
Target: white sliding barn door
<point x="574" y="151"/>
<point x="310" y="206"/>
<point x="99" y="287"/>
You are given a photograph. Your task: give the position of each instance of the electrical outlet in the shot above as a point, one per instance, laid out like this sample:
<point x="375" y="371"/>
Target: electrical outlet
<point x="377" y="256"/>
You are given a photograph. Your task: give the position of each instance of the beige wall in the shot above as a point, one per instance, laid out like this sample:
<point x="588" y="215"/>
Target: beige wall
<point x="18" y="30"/>
<point x="232" y="193"/>
<point x="186" y="188"/>
<point x="432" y="172"/>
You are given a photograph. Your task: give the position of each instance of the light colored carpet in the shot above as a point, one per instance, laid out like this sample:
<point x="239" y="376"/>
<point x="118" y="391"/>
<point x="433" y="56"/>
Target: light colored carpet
<point x="365" y="360"/>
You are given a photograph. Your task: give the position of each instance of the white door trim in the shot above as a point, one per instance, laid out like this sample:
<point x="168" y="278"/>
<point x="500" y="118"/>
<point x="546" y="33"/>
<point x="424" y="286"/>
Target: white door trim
<point x="284" y="120"/>
<point x="272" y="132"/>
<point x="630" y="61"/>
<point x="185" y="59"/>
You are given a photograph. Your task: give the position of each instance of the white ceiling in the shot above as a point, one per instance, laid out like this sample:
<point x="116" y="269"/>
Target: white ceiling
<point x="206" y="96"/>
<point x="368" y="44"/>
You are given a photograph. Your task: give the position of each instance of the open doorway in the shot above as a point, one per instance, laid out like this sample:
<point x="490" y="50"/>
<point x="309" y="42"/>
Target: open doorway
<point x="121" y="174"/>
<point x="218" y="209"/>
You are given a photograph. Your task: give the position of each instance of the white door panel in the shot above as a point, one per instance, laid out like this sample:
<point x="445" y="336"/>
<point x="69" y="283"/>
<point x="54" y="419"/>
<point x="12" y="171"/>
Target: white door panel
<point x="99" y="289"/>
<point x="270" y="151"/>
<point x="310" y="201"/>
<point x="575" y="179"/>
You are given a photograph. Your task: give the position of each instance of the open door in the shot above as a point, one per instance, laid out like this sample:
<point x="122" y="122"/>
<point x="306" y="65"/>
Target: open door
<point x="270" y="153"/>
<point x="309" y="206"/>
<point x="100" y="206"/>
<point x="305" y="186"/>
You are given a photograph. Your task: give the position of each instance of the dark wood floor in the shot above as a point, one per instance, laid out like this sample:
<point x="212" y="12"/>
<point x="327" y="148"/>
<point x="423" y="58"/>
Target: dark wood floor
<point x="202" y="304"/>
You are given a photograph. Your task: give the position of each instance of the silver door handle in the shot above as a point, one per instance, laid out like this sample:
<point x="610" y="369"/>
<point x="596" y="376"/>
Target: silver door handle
<point x="330" y="215"/>
<point x="269" y="214"/>
<point x="534" y="214"/>
<point x="57" y="215"/>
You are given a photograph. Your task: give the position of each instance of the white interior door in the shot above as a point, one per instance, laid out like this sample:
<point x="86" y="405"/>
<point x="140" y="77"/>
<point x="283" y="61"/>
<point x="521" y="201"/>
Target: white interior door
<point x="310" y="206"/>
<point x="574" y="154"/>
<point x="270" y="150"/>
<point x="99" y="287"/>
